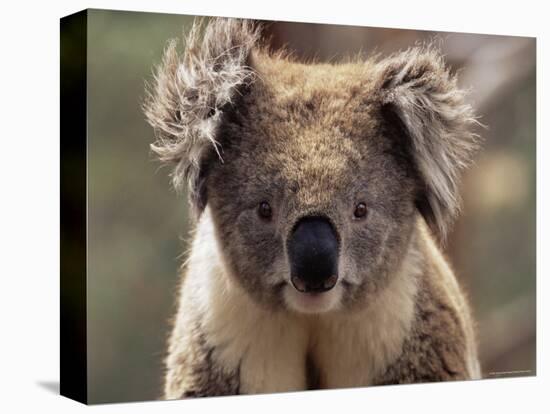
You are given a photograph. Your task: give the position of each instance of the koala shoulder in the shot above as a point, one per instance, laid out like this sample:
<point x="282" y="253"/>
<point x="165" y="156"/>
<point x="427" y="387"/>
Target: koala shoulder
<point x="441" y="344"/>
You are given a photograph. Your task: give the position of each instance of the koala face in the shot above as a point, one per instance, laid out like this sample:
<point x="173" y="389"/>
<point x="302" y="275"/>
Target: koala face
<point x="313" y="201"/>
<point x="314" y="174"/>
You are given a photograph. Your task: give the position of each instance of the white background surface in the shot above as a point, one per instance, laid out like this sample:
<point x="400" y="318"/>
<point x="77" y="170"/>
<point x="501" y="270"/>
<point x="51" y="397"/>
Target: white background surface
<point x="29" y="205"/>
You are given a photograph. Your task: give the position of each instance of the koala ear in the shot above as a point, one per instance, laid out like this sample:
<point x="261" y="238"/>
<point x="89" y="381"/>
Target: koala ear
<point x="184" y="105"/>
<point x="420" y="94"/>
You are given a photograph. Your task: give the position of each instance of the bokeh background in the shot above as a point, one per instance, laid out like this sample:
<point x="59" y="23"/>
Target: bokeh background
<point x="138" y="226"/>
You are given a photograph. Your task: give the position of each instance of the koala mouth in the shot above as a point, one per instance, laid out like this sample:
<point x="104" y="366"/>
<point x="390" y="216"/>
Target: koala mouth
<point x="313" y="249"/>
<point x="313" y="302"/>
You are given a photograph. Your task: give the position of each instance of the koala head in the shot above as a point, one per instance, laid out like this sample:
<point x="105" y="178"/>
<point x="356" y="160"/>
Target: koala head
<point x="314" y="174"/>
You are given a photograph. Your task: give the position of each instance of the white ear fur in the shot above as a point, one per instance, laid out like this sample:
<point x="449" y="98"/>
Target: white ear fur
<point x="420" y="90"/>
<point x="185" y="102"/>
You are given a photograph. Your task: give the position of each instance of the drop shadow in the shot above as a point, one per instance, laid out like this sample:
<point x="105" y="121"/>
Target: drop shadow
<point x="51" y="386"/>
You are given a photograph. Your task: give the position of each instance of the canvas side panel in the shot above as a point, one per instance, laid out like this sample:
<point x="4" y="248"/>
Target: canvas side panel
<point x="73" y="127"/>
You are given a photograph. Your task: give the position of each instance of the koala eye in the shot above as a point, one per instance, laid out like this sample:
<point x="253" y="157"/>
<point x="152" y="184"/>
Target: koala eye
<point x="264" y="210"/>
<point x="360" y="211"/>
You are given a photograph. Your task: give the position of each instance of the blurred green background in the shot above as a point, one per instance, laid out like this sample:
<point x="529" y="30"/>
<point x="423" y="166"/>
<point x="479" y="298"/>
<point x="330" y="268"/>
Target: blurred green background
<point x="138" y="226"/>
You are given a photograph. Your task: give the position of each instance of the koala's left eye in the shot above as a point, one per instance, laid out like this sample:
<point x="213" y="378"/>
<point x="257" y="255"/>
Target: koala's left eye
<point x="360" y="211"/>
<point x="264" y="210"/>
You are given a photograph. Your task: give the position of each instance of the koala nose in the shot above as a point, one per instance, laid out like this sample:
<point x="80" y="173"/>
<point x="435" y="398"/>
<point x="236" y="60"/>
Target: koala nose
<point x="313" y="255"/>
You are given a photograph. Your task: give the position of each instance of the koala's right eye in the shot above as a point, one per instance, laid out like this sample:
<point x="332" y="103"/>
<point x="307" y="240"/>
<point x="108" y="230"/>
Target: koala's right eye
<point x="360" y="211"/>
<point x="264" y="210"/>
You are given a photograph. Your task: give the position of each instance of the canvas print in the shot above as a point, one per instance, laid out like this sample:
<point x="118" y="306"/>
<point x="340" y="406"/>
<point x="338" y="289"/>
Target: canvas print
<point x="261" y="206"/>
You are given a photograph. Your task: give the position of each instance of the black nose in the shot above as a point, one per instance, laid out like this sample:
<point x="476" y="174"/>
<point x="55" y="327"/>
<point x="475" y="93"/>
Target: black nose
<point x="313" y="255"/>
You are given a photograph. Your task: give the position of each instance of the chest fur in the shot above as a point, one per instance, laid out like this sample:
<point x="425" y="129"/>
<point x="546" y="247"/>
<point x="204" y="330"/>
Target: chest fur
<point x="276" y="352"/>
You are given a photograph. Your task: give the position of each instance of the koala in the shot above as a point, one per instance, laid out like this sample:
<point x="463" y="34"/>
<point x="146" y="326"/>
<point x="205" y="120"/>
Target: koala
<point x="321" y="195"/>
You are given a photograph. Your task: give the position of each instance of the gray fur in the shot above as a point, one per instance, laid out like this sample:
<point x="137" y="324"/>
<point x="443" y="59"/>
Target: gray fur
<point x="426" y="98"/>
<point x="189" y="92"/>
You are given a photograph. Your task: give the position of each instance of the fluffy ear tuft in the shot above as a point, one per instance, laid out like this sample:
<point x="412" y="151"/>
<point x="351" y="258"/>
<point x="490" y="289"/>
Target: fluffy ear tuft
<point x="418" y="89"/>
<point x="190" y="91"/>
